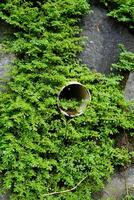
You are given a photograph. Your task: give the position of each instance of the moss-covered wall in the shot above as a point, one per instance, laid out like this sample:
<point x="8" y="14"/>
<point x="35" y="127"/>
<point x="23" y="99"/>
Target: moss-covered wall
<point x="42" y="151"/>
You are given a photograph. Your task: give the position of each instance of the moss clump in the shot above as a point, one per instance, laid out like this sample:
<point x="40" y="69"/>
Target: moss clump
<point x="70" y="104"/>
<point x="125" y="62"/>
<point x="122" y="10"/>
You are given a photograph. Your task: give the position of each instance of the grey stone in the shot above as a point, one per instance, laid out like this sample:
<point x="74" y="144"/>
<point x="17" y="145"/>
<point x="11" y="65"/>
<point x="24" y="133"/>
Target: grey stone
<point x="119" y="184"/>
<point x="103" y="34"/>
<point x="129" y="89"/>
<point x="5" y="58"/>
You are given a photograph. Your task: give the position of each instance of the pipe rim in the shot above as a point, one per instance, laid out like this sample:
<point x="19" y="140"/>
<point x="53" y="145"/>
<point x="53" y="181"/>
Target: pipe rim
<point x="82" y="106"/>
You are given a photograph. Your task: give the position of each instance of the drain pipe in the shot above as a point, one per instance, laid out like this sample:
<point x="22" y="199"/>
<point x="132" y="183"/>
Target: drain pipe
<point x="73" y="92"/>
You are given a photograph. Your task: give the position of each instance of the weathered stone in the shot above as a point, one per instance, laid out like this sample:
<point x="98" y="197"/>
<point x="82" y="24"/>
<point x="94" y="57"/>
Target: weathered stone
<point x="129" y="89"/>
<point x="103" y="37"/>
<point x="5" y="58"/>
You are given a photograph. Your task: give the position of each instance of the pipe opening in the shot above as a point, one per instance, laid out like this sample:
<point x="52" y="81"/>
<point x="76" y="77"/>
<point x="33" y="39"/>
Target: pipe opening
<point x="73" y="99"/>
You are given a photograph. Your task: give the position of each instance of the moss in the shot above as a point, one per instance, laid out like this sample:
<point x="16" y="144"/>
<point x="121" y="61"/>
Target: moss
<point x="41" y="151"/>
<point x="122" y="10"/>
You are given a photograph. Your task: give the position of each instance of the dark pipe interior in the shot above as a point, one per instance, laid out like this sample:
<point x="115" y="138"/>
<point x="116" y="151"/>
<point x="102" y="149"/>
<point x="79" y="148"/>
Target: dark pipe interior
<point x="73" y="91"/>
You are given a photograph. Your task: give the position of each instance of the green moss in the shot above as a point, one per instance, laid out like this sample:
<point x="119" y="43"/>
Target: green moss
<point x="71" y="104"/>
<point x="122" y="10"/>
<point x="125" y="62"/>
<point x="128" y="197"/>
<point x="41" y="151"/>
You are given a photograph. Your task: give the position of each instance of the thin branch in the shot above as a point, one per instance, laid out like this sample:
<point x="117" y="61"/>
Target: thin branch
<point x="65" y="191"/>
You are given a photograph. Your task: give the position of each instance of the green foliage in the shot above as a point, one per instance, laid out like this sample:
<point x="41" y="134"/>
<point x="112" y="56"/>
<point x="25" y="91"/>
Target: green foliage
<point x="70" y="104"/>
<point x="122" y="10"/>
<point x="41" y="151"/>
<point x="126" y="61"/>
<point x="128" y="197"/>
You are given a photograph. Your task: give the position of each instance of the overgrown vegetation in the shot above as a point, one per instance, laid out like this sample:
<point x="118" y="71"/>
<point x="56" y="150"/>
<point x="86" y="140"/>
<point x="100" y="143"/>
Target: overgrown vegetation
<point x="128" y="197"/>
<point x="70" y="104"/>
<point x="126" y="61"/>
<point x="122" y="10"/>
<point x="41" y="151"/>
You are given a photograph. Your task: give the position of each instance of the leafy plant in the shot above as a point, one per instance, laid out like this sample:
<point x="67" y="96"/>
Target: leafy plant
<point x="128" y="197"/>
<point x="126" y="60"/>
<point x="41" y="151"/>
<point x="122" y="10"/>
<point x="70" y="104"/>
